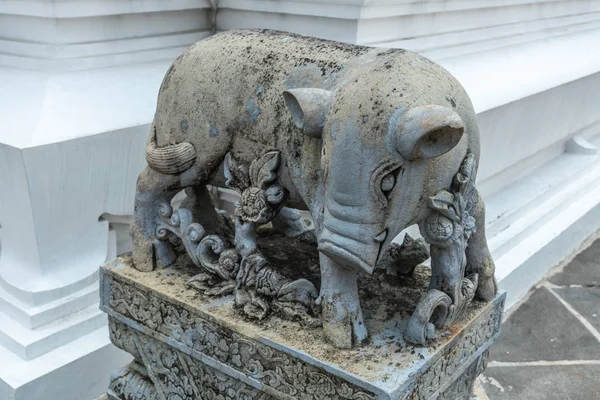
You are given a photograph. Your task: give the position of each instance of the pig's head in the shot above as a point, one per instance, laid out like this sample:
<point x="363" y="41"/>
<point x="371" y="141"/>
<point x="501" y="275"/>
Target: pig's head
<point x="371" y="191"/>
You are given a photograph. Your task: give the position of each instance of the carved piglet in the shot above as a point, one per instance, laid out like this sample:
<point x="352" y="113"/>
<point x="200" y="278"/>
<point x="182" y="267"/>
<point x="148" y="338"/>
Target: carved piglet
<point x="367" y="139"/>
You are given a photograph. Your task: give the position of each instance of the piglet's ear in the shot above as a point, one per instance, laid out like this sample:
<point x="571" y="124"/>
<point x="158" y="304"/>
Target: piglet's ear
<point x="426" y="131"/>
<point x="309" y="108"/>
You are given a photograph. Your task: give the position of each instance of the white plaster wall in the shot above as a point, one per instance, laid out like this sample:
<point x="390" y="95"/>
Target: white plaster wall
<point x="17" y="234"/>
<point x="519" y="136"/>
<point x="79" y="82"/>
<point x="84" y="132"/>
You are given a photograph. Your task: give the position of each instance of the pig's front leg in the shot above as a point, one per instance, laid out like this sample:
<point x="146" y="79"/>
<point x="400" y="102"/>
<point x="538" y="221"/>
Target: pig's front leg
<point x="343" y="323"/>
<point x="479" y="259"/>
<point x="447" y="230"/>
<point x="447" y="266"/>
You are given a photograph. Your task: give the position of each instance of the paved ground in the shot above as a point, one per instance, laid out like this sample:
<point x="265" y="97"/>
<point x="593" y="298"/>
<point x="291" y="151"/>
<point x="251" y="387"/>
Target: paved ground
<point x="550" y="345"/>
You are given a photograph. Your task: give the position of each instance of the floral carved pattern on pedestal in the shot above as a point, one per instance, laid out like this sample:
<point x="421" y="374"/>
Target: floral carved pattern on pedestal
<point x="166" y="373"/>
<point x="462" y="388"/>
<point x="272" y="368"/>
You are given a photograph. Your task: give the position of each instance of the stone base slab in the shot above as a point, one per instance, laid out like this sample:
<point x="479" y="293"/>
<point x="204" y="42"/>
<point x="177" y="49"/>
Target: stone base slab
<point x="187" y="346"/>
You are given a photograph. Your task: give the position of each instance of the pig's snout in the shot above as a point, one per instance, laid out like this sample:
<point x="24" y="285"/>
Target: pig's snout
<point x="351" y="245"/>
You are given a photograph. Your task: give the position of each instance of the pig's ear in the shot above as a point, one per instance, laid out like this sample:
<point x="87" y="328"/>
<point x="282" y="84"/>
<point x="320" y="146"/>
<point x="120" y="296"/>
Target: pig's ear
<point x="425" y="131"/>
<point x="310" y="108"/>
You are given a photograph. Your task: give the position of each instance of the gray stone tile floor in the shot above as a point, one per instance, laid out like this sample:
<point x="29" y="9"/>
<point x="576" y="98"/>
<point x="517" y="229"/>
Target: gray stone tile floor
<point x="550" y="345"/>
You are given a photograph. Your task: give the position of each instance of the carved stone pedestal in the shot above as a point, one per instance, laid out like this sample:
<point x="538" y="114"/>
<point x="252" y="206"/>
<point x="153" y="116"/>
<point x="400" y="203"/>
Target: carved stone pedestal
<point x="187" y="346"/>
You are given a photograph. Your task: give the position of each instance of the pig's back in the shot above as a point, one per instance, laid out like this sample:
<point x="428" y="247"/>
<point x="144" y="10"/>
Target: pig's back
<point x="229" y="88"/>
<point x="225" y="92"/>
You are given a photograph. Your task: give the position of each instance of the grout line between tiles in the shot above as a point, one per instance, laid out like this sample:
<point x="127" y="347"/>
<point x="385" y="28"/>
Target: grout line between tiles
<point x="500" y="364"/>
<point x="580" y="317"/>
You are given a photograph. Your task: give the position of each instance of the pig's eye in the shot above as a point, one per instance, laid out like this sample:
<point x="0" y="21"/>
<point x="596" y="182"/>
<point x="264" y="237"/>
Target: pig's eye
<point x="383" y="181"/>
<point x="387" y="183"/>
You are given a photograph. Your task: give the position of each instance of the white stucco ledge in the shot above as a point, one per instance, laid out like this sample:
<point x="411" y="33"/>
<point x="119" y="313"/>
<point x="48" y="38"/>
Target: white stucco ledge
<point x="40" y="108"/>
<point x="500" y="76"/>
<point x="94" y="8"/>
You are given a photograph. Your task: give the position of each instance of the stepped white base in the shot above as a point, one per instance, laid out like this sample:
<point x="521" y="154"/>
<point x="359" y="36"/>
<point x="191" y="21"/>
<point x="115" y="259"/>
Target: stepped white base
<point x="34" y="316"/>
<point x="29" y="344"/>
<point x="76" y="371"/>
<point x="544" y="253"/>
<point x="553" y="225"/>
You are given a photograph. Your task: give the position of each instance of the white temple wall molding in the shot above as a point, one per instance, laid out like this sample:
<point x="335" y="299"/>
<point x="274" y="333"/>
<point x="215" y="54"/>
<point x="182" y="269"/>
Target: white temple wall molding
<point x="82" y="35"/>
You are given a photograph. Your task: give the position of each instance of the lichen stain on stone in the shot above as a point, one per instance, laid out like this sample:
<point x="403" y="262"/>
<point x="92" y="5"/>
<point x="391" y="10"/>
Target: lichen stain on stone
<point x="184" y="126"/>
<point x="252" y="109"/>
<point x="259" y="89"/>
<point x="451" y="100"/>
<point x="214" y="131"/>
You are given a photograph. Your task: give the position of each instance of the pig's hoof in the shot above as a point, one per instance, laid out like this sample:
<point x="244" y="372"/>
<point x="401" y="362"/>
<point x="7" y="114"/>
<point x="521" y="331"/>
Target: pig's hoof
<point x="487" y="289"/>
<point x="150" y="255"/>
<point x="143" y="252"/>
<point x="343" y="323"/>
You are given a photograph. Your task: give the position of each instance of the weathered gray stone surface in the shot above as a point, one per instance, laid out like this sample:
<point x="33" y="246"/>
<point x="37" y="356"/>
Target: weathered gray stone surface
<point x="370" y="141"/>
<point x="191" y="346"/>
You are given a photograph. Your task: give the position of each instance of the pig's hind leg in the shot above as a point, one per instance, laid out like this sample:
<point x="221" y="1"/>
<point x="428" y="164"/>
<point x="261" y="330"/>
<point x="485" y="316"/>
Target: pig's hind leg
<point x="153" y="189"/>
<point x="289" y="221"/>
<point x="154" y="193"/>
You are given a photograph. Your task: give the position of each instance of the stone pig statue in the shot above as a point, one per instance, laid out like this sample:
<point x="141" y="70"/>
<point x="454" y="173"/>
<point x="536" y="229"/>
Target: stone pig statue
<point x="367" y="138"/>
